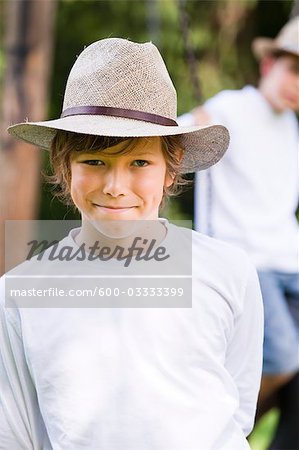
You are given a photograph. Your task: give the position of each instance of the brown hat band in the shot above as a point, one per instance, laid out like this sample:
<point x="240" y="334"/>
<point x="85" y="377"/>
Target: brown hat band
<point x="119" y="112"/>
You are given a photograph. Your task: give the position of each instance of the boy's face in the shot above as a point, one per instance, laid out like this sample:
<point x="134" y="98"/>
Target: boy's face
<point x="280" y="78"/>
<point x="110" y="186"/>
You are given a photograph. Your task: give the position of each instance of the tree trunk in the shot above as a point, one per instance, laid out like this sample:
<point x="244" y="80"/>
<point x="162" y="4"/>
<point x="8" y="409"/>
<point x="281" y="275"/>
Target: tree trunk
<point x="28" y="43"/>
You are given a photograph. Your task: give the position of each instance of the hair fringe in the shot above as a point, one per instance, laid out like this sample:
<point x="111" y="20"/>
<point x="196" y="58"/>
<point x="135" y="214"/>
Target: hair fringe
<point x="65" y="143"/>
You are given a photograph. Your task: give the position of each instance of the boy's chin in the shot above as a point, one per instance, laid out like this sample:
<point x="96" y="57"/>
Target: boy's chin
<point x="117" y="229"/>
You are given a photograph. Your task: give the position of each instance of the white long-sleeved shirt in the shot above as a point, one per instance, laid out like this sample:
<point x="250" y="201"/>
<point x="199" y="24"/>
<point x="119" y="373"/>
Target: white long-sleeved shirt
<point x="137" y="378"/>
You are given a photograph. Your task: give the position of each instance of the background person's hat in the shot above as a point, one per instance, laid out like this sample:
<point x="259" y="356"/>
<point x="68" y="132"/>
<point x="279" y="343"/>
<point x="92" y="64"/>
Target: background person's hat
<point x="121" y="88"/>
<point x="287" y="41"/>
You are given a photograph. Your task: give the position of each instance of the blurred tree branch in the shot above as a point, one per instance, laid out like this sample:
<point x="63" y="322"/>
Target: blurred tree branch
<point x="28" y="42"/>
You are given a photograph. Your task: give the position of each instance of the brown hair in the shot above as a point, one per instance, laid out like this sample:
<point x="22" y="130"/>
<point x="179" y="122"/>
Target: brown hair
<point x="65" y="143"/>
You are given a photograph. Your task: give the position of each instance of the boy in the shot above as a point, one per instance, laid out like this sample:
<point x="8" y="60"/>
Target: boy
<point x="250" y="199"/>
<point x="162" y="376"/>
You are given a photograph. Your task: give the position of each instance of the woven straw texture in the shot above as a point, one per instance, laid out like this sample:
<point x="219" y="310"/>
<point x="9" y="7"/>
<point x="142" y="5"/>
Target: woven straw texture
<point x="111" y="79"/>
<point x="122" y="74"/>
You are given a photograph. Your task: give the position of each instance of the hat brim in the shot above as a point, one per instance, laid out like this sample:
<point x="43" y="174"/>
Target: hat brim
<point x="204" y="146"/>
<point x="262" y="47"/>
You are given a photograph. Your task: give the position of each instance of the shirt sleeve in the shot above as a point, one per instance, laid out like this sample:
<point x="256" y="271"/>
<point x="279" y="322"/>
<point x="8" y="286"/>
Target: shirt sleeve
<point x="186" y="120"/>
<point x="21" y="426"/>
<point x="245" y="352"/>
<point x="217" y="107"/>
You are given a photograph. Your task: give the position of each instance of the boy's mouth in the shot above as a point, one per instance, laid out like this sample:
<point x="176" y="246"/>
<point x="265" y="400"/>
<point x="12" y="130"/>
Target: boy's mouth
<point x="109" y="208"/>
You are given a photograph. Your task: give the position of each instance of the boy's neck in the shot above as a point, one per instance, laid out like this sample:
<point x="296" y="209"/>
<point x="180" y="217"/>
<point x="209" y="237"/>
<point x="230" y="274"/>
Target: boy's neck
<point x="147" y="232"/>
<point x="268" y="96"/>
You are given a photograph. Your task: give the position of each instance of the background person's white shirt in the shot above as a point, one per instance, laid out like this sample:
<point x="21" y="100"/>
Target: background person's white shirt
<point x="143" y="378"/>
<point x="250" y="197"/>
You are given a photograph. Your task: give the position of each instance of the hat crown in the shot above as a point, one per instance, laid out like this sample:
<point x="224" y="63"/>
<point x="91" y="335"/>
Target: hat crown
<point x="287" y="40"/>
<point x="119" y="73"/>
<point x="288" y="37"/>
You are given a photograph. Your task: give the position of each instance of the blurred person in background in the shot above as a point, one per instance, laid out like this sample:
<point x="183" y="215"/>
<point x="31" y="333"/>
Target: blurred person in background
<point x="250" y="199"/>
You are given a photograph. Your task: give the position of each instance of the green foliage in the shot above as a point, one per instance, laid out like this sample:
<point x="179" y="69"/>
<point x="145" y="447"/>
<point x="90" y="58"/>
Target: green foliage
<point x="79" y="23"/>
<point x="263" y="432"/>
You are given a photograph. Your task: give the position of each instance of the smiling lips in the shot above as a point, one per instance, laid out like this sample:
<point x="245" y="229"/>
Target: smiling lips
<point x="114" y="209"/>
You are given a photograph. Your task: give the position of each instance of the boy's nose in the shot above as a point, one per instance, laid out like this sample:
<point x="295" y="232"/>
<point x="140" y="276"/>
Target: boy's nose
<point x="115" y="183"/>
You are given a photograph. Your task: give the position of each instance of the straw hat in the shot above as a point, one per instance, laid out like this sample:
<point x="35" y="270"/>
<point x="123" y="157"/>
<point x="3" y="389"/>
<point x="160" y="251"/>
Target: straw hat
<point x="287" y="41"/>
<point x="120" y="88"/>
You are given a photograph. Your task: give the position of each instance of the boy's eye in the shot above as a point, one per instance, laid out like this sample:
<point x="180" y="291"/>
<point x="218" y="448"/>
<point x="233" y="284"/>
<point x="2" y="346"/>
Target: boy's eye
<point x="140" y="163"/>
<point x="93" y="162"/>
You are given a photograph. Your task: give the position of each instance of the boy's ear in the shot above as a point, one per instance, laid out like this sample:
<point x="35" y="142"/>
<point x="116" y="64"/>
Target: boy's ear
<point x="168" y="179"/>
<point x="266" y="65"/>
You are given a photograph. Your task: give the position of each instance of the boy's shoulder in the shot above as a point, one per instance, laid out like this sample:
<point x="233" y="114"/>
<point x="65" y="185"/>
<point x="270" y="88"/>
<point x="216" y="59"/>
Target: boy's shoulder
<point x="41" y="257"/>
<point x="219" y="250"/>
<point x="220" y="267"/>
<point x="213" y="251"/>
<point x="217" y="262"/>
<point x="225" y="267"/>
<point x="43" y="263"/>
